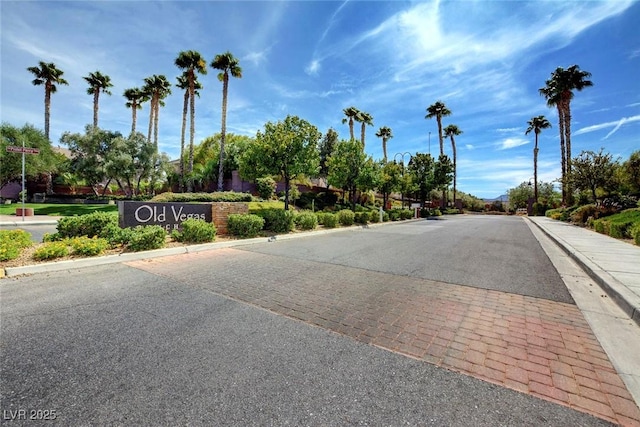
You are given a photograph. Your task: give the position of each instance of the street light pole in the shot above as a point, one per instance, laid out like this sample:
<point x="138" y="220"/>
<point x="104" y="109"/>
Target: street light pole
<point x="23" y="192"/>
<point x="402" y="170"/>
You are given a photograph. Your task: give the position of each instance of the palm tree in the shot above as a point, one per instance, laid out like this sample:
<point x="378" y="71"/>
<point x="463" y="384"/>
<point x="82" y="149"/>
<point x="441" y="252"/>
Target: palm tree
<point x="49" y="75"/>
<point x="135" y="97"/>
<point x="438" y="110"/>
<point x="449" y="132"/>
<point x="97" y="83"/>
<point x="365" y="119"/>
<point x="385" y="133"/>
<point x="351" y="113"/>
<point x="227" y="64"/>
<point x="536" y="124"/>
<point x="191" y="62"/>
<point x="185" y="84"/>
<point x="559" y="92"/>
<point x="156" y="87"/>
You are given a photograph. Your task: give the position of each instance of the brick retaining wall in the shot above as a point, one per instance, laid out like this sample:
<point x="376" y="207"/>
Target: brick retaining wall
<point x="220" y="212"/>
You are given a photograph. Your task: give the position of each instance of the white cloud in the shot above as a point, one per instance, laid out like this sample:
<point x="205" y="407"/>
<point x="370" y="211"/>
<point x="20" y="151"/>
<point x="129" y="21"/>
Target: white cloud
<point x="616" y="125"/>
<point x="313" y="68"/>
<point x="512" y="143"/>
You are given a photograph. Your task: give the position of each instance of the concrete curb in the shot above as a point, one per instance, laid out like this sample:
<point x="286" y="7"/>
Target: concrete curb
<point x="136" y="256"/>
<point x="617" y="291"/>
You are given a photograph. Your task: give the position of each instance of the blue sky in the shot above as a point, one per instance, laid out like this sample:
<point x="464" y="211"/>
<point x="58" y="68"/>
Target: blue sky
<point x="485" y="60"/>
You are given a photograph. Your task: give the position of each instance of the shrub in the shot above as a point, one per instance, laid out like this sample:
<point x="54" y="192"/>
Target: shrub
<point x="374" y="216"/>
<point x="583" y="213"/>
<point x="306" y="220"/>
<point x="361" y="217"/>
<point x="145" y="238"/>
<point x="224" y="196"/>
<point x="406" y="214"/>
<point x="93" y="224"/>
<point x="245" y="225"/>
<point x="346" y="217"/>
<point x="330" y="220"/>
<point x="394" y="214"/>
<point x="89" y="246"/>
<point x="436" y="212"/>
<point x="385" y="217"/>
<point x="266" y="187"/>
<point x="320" y="216"/>
<point x="51" y="250"/>
<point x="277" y="220"/>
<point x="635" y="233"/>
<point x="12" y="242"/>
<point x="195" y="231"/>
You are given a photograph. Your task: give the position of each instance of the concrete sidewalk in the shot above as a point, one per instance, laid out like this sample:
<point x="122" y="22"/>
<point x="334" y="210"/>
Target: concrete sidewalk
<point x="16" y="221"/>
<point x="613" y="264"/>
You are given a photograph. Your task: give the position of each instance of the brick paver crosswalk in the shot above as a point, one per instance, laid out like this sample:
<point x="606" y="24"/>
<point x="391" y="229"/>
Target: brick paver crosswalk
<point x="535" y="346"/>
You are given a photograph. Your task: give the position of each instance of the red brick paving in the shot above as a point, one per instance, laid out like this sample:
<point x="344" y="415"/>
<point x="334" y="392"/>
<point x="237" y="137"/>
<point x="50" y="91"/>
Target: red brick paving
<point x="531" y="345"/>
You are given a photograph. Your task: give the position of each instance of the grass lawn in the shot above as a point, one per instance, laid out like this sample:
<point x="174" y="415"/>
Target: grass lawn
<point x="258" y="206"/>
<point x="58" y="209"/>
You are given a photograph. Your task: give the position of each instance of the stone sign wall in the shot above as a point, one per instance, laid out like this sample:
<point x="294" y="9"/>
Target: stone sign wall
<point x="171" y="215"/>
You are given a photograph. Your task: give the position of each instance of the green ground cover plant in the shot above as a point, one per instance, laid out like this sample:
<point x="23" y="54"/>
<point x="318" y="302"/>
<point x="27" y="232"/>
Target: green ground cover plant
<point x="12" y="242"/>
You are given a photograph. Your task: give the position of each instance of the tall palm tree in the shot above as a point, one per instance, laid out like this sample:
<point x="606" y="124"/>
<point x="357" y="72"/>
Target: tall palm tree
<point x="438" y="110"/>
<point x="156" y="87"/>
<point x="228" y="65"/>
<point x="135" y="98"/>
<point x="365" y="119"/>
<point x="559" y="92"/>
<point x="449" y="132"/>
<point x="536" y="124"/>
<point x="552" y="96"/>
<point x="49" y="75"/>
<point x="185" y="84"/>
<point x="385" y="133"/>
<point x="351" y="113"/>
<point x="98" y="82"/>
<point x="191" y="62"/>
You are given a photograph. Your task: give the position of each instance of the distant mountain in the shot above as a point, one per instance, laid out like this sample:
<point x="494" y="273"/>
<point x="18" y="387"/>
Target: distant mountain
<point x="503" y="198"/>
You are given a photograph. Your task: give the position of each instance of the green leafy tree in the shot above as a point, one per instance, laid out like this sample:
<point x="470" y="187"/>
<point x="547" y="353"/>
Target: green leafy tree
<point x="135" y="98"/>
<point x="390" y="180"/>
<point x="450" y="132"/>
<point x="325" y="148"/>
<point x="46" y="162"/>
<point x="90" y="152"/>
<point x="593" y="171"/>
<point x="228" y="66"/>
<point x="351" y="114"/>
<point x="631" y="173"/>
<point x="129" y="162"/>
<point x="536" y="125"/>
<point x="519" y="196"/>
<point x="286" y="148"/>
<point x="351" y="169"/>
<point x="421" y="169"/>
<point x="443" y="173"/>
<point x="98" y="83"/>
<point x="385" y="133"/>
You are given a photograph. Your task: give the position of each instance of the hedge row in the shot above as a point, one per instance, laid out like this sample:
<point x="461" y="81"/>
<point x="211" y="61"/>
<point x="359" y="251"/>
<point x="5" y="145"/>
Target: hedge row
<point x="224" y="196"/>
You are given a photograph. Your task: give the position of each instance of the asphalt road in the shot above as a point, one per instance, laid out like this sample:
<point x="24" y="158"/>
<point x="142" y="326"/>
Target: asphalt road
<point x="114" y="345"/>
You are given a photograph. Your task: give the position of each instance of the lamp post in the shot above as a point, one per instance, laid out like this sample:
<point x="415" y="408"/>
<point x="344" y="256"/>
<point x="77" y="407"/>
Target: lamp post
<point x="406" y="153"/>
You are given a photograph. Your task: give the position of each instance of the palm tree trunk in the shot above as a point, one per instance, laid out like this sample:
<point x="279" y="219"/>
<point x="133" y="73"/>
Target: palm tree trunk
<point x="567" y="132"/>
<point x="384" y="149"/>
<point x="192" y="118"/>
<point x="182" y="132"/>
<point x="535" y="171"/>
<point x="155" y="125"/>
<point x="351" y="128"/>
<point x="563" y="162"/>
<point x="151" y="111"/>
<point x="96" y="95"/>
<point x="362" y="134"/>
<point x="225" y="85"/>
<point x="134" y="116"/>
<point x="440" y="138"/>
<point x="47" y="116"/>
<point x="455" y="172"/>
